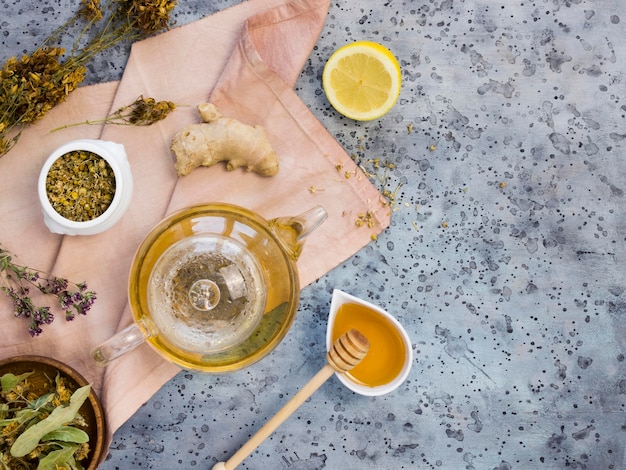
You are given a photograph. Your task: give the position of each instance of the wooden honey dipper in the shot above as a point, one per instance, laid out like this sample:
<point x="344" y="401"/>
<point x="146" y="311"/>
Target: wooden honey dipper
<point x="347" y="351"/>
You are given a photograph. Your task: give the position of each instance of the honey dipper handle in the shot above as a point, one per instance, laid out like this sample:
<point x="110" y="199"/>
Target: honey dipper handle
<point x="346" y="352"/>
<point x="300" y="397"/>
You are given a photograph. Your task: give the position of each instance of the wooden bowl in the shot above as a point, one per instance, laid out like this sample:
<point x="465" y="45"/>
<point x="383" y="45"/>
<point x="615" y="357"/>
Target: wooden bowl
<point x="45" y="370"/>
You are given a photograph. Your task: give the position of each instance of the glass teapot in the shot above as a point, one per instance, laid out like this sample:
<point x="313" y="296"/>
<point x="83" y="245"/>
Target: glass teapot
<point x="214" y="287"/>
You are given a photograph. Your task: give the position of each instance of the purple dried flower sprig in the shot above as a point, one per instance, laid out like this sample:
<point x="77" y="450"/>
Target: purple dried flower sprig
<point x="18" y="281"/>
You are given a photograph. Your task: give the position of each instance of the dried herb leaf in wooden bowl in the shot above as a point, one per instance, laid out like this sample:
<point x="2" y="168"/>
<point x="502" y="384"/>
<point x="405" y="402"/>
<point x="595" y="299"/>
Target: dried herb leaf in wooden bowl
<point x="49" y="416"/>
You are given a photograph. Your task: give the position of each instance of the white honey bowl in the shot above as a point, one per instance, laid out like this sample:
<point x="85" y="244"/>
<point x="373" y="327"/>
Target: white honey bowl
<point x="115" y="155"/>
<point x="338" y="299"/>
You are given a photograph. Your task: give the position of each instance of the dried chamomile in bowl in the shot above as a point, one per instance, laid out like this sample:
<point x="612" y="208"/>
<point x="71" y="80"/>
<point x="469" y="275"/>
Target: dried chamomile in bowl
<point x="85" y="187"/>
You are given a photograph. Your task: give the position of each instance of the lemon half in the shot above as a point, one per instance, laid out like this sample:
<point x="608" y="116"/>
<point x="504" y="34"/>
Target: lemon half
<point x="362" y="80"/>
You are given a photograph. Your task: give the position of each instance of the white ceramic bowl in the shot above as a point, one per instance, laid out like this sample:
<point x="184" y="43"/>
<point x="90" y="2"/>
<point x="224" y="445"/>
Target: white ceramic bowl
<point x="339" y="298"/>
<point x="115" y="156"/>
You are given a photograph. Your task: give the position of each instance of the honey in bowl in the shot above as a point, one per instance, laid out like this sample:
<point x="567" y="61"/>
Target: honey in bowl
<point x="386" y="357"/>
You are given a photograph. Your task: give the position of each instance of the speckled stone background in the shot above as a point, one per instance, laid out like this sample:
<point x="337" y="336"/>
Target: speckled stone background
<point x="505" y="260"/>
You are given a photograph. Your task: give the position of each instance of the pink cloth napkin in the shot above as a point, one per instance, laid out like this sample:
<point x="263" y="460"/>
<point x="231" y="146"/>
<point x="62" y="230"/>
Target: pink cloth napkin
<point x="246" y="60"/>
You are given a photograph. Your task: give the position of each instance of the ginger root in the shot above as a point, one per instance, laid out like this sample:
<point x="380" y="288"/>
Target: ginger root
<point x="218" y="139"/>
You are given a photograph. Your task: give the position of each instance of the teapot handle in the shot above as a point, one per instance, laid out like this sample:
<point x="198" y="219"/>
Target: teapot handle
<point x="121" y="343"/>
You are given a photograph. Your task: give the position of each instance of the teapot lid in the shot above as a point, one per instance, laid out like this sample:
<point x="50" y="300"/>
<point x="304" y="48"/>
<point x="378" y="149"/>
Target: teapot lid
<point x="206" y="293"/>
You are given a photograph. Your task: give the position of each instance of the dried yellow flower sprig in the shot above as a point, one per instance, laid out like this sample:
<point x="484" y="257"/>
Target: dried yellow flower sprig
<point x="34" y="84"/>
<point x="148" y="16"/>
<point x="141" y="112"/>
<point x="90" y="10"/>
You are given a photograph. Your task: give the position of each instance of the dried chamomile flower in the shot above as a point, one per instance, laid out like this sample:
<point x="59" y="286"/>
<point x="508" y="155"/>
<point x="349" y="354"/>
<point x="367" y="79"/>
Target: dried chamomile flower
<point x="80" y="185"/>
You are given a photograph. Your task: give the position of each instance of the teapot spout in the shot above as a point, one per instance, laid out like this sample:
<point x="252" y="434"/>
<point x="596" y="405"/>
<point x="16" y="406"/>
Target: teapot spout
<point x="307" y="222"/>
<point x="291" y="231"/>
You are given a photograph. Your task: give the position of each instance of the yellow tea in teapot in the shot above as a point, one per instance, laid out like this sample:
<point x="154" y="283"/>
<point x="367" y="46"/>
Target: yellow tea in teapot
<point x="385" y="359"/>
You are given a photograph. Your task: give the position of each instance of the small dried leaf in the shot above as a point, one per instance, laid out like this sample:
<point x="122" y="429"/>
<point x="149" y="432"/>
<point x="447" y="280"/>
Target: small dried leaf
<point x="67" y="434"/>
<point x="59" y="459"/>
<point x="9" y="381"/>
